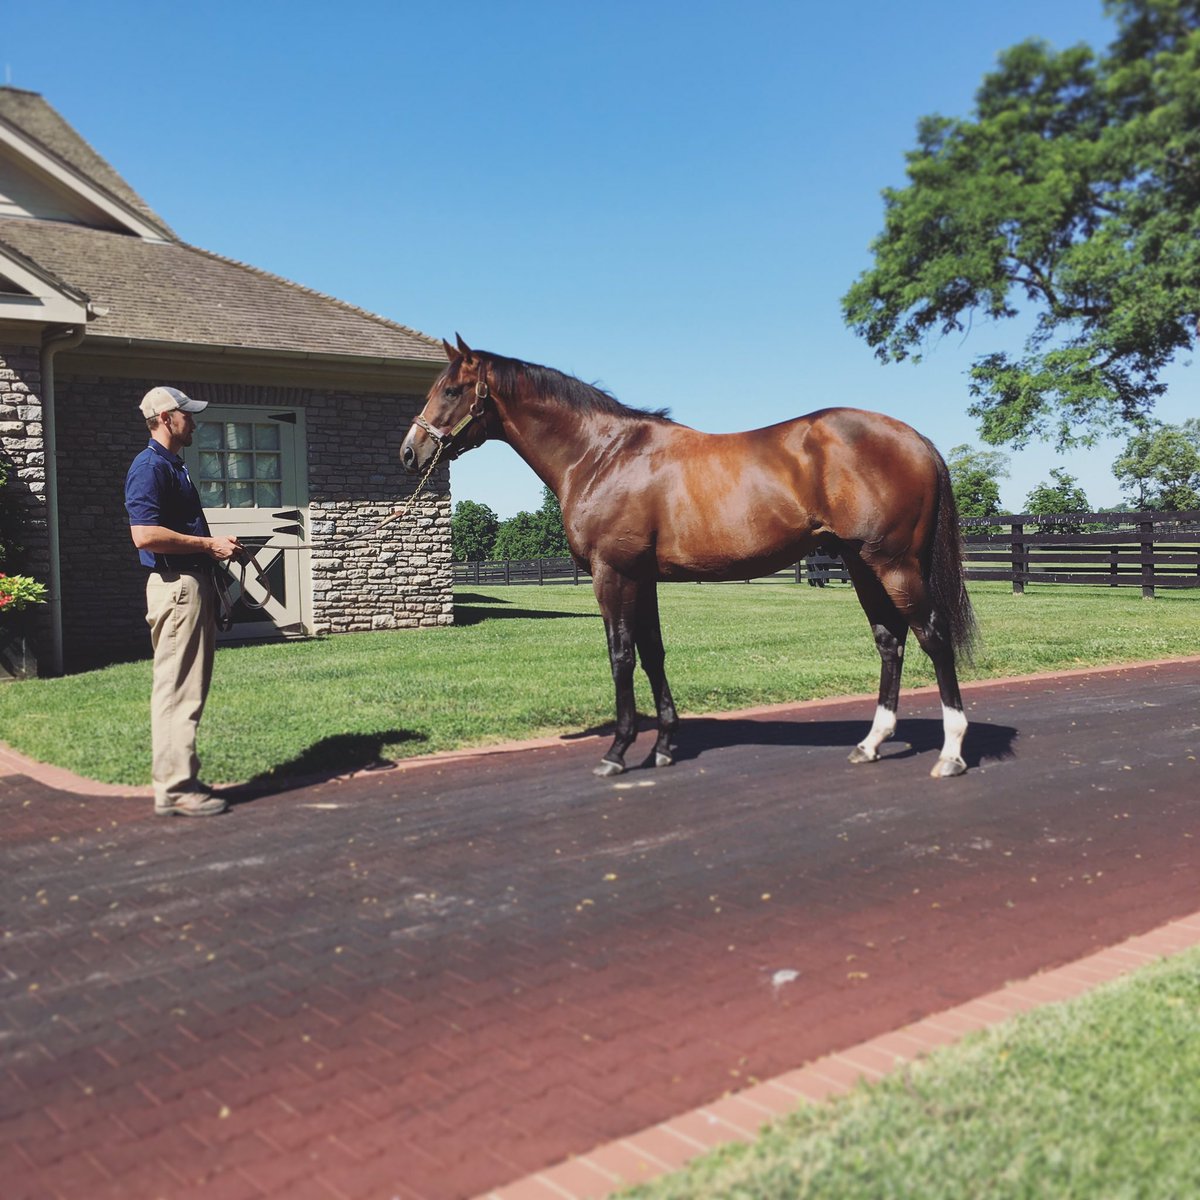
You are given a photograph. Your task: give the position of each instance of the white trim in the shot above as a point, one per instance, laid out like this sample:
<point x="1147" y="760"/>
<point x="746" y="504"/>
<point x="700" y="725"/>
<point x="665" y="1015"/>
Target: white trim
<point x="59" y="173"/>
<point x="46" y="302"/>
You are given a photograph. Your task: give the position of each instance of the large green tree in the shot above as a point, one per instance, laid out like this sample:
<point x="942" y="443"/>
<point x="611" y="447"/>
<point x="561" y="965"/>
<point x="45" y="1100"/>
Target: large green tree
<point x="975" y="480"/>
<point x="1061" y="495"/>
<point x="473" y="528"/>
<point x="533" y="534"/>
<point x="1072" y="191"/>
<point x="1160" y="467"/>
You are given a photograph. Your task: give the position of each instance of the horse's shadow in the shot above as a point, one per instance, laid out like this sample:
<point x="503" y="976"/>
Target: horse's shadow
<point x="914" y="735"/>
<point x="331" y="757"/>
<point x="475" y="614"/>
<point x="473" y="608"/>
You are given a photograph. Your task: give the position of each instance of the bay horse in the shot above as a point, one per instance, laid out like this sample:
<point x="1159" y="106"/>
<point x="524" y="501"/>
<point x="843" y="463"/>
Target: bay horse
<point x="646" y="499"/>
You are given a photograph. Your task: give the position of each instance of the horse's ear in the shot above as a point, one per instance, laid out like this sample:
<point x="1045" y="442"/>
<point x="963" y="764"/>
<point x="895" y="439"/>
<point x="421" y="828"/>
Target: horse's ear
<point x="451" y="353"/>
<point x="463" y="348"/>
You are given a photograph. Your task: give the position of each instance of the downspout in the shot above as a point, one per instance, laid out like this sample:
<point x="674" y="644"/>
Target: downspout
<point x="52" y="343"/>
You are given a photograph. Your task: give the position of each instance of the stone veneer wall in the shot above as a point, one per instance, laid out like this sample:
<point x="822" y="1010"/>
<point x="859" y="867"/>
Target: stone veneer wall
<point x="21" y="445"/>
<point x="400" y="579"/>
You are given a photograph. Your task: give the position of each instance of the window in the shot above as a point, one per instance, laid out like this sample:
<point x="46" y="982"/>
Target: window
<point x="240" y="464"/>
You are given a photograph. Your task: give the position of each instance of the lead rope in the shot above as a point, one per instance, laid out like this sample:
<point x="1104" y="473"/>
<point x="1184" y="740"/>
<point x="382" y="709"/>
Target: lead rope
<point x="224" y="574"/>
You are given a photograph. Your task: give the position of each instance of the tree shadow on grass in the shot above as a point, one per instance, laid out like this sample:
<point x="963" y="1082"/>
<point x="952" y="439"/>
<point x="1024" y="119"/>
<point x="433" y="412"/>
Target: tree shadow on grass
<point x="914" y="735"/>
<point x="327" y="759"/>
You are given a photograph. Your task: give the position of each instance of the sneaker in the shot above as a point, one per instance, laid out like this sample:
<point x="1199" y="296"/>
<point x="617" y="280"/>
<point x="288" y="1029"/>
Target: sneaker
<point x="196" y="805"/>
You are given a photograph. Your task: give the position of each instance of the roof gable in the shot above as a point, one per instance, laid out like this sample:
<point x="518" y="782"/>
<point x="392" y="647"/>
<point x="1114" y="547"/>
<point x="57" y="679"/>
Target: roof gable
<point x="29" y="292"/>
<point x="77" y="243"/>
<point x="172" y="292"/>
<point x="58" y="159"/>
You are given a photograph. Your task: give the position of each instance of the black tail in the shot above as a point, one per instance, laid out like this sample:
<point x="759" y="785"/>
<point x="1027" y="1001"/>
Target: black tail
<point x="947" y="577"/>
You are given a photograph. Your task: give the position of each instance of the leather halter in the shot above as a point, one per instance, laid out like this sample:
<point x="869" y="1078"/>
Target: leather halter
<point x="445" y="436"/>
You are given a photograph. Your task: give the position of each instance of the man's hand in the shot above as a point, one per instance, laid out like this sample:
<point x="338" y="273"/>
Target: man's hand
<point x="223" y="548"/>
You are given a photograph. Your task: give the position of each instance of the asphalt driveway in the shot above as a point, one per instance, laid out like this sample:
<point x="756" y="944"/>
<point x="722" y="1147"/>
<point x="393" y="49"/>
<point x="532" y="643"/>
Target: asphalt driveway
<point x="428" y="981"/>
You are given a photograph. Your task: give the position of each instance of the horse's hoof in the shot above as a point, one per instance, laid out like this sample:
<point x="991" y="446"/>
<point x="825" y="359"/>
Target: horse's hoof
<point x="606" y="768"/>
<point x="861" y="755"/>
<point x="663" y="760"/>
<point x="944" y="768"/>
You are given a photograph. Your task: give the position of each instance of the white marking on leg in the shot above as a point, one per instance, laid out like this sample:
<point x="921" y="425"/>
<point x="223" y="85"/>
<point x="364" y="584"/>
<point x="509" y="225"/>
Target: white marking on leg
<point x="882" y="728"/>
<point x="954" y="722"/>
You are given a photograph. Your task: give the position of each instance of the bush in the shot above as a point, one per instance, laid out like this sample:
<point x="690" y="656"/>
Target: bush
<point x="16" y="591"/>
<point x="19" y="591"/>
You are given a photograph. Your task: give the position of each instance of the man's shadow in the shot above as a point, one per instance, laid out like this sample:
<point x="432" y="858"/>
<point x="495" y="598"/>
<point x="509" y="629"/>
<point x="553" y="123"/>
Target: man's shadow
<point x="331" y="757"/>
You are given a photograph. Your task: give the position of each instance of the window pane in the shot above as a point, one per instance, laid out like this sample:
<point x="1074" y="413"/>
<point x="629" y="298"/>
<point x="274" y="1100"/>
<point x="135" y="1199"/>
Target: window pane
<point x="239" y="435"/>
<point x="212" y="495"/>
<point x="239" y="466"/>
<point x="210" y="465"/>
<point x="210" y="435"/>
<point x="241" y="495"/>
<point x="266" y="466"/>
<point x="268" y="495"/>
<point x="266" y="437"/>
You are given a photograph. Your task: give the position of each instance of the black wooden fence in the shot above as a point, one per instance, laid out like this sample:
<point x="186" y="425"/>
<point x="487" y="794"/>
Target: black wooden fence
<point x="817" y="569"/>
<point x="1143" y="549"/>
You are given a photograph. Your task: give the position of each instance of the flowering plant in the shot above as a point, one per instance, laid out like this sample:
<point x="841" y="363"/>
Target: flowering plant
<point x="16" y="591"/>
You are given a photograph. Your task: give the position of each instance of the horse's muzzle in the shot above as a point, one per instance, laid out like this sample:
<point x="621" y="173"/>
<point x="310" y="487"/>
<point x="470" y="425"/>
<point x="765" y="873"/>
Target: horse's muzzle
<point x="410" y="459"/>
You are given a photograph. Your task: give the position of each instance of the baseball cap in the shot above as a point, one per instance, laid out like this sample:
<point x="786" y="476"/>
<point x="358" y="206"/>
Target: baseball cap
<point x="168" y="399"/>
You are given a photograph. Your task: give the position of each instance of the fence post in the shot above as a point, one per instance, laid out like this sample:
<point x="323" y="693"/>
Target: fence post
<point x="1114" y="569"/>
<point x="507" y="571"/>
<point x="541" y="571"/>
<point x="1018" y="559"/>
<point x="1146" y="529"/>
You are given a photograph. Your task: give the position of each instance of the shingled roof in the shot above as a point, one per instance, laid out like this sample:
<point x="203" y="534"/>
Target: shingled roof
<point x="168" y="291"/>
<point x="37" y="120"/>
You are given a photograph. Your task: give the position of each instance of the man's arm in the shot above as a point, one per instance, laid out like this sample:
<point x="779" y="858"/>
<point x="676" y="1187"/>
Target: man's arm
<point x="159" y="540"/>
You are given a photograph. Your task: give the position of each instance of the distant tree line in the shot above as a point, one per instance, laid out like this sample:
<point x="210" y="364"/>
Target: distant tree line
<point x="1159" y="471"/>
<point x="478" y="535"/>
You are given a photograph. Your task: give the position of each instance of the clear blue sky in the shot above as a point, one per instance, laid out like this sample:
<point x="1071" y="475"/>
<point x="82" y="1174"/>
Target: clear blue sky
<point x="665" y="198"/>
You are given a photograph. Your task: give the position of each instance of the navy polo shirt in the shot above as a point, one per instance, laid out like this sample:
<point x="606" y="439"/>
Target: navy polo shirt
<point x="159" y="491"/>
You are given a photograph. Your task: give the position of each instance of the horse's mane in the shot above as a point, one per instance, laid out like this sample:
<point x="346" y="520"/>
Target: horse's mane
<point x="509" y="375"/>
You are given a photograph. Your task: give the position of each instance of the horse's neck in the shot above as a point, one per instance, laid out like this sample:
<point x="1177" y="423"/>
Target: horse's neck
<point x="553" y="439"/>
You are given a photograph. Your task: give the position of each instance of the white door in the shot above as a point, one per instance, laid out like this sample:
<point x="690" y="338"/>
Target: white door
<point x="248" y="465"/>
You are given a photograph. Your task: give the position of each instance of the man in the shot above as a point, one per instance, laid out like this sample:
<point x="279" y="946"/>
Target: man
<point x="172" y="537"/>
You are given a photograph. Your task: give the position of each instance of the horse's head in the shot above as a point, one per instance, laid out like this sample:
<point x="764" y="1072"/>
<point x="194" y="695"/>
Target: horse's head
<point x="457" y="412"/>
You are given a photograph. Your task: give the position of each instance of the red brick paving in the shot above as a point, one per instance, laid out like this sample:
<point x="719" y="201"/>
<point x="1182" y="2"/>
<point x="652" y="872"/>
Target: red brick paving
<point x="432" y="982"/>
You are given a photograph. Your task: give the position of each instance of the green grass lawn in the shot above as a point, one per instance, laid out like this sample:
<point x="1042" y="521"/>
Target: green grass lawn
<point x="525" y="661"/>
<point x="1097" y="1099"/>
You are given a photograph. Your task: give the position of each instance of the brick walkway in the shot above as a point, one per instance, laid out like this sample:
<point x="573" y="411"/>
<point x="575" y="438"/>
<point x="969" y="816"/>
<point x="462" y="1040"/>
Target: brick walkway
<point x="433" y="981"/>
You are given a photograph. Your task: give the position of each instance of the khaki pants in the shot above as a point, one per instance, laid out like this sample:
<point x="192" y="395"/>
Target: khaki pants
<point x="181" y="613"/>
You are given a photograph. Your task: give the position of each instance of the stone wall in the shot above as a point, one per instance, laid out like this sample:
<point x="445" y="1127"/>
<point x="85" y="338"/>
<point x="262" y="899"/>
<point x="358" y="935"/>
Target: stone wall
<point x="401" y="578"/>
<point x="24" y="455"/>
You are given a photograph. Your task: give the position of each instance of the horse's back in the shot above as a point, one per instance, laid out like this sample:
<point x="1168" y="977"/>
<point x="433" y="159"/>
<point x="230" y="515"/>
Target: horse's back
<point x="829" y="469"/>
<point x="693" y="505"/>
